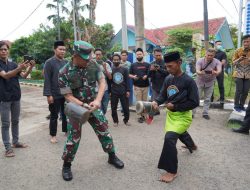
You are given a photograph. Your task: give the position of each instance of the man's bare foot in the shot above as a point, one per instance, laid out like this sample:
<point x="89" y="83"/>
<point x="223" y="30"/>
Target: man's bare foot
<point x="168" y="177"/>
<point x="53" y="140"/>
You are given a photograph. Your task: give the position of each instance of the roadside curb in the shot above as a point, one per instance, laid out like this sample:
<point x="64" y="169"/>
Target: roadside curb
<point x="31" y="84"/>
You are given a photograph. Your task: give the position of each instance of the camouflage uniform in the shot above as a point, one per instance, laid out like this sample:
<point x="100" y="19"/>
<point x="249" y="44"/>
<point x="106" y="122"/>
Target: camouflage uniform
<point x="81" y="82"/>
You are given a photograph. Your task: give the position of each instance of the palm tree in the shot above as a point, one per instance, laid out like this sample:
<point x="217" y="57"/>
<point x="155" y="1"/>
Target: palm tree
<point x="92" y="5"/>
<point x="60" y="5"/>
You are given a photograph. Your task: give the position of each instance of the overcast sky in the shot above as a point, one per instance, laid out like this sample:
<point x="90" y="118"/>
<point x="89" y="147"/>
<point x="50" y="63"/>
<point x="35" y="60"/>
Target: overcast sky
<point x="157" y="13"/>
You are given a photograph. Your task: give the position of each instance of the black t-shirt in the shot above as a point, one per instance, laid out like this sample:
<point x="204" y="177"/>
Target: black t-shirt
<point x="220" y="55"/>
<point x="140" y="69"/>
<point x="9" y="88"/>
<point x="180" y="91"/>
<point x="120" y="81"/>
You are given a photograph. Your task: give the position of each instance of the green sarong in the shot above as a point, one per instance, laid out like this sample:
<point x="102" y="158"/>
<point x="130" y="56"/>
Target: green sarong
<point x="178" y="122"/>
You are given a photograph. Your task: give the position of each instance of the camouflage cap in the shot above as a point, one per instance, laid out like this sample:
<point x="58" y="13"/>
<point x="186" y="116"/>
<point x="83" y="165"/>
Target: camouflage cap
<point x="83" y="49"/>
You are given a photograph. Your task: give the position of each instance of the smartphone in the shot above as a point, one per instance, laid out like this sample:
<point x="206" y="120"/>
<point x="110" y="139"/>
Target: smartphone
<point x="208" y="72"/>
<point x="28" y="58"/>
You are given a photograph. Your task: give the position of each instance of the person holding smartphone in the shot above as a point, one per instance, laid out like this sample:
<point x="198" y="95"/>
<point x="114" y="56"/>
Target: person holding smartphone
<point x="241" y="63"/>
<point x="10" y="95"/>
<point x="207" y="68"/>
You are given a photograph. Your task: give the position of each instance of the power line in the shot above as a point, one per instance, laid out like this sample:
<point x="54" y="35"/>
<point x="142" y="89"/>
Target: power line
<point x="225" y="9"/>
<point x="24" y="20"/>
<point x="235" y="7"/>
<point x="159" y="40"/>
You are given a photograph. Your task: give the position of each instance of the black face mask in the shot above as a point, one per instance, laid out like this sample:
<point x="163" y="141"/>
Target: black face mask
<point x="139" y="59"/>
<point x="116" y="64"/>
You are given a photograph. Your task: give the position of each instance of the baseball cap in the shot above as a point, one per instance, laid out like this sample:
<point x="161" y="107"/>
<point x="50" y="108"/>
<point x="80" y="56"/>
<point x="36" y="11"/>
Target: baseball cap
<point x="83" y="49"/>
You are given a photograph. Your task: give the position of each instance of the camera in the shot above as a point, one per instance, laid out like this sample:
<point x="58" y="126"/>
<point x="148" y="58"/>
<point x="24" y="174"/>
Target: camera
<point x="208" y="72"/>
<point x="156" y="66"/>
<point x="28" y="58"/>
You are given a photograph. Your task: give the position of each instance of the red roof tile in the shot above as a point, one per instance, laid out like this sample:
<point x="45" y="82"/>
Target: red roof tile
<point x="158" y="36"/>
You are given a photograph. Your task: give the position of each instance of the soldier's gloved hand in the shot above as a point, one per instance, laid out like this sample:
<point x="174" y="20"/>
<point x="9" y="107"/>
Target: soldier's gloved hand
<point x="95" y="105"/>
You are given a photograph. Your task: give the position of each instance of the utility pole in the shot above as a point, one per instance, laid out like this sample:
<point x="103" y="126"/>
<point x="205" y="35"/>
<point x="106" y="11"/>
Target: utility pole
<point x="240" y="24"/>
<point x="124" y="26"/>
<point x="206" y="35"/>
<point x="58" y="21"/>
<point x="139" y="24"/>
<point x="74" y="19"/>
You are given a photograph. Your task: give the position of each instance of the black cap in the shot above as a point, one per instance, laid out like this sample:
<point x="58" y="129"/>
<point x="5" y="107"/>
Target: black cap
<point x="172" y="56"/>
<point x="58" y="43"/>
<point x="139" y="49"/>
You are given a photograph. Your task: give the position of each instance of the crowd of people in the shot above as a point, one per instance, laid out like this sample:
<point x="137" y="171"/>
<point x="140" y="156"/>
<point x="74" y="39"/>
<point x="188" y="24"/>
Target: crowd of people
<point x="90" y="80"/>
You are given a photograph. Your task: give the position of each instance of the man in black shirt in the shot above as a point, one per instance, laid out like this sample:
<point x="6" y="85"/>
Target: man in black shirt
<point x="139" y="74"/>
<point x="119" y="90"/>
<point x="180" y="95"/>
<point x="52" y="91"/>
<point x="157" y="73"/>
<point x="222" y="57"/>
<point x="10" y="95"/>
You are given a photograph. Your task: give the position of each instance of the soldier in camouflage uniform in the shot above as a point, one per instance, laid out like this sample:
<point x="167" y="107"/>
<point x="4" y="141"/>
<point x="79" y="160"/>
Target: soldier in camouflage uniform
<point x="77" y="81"/>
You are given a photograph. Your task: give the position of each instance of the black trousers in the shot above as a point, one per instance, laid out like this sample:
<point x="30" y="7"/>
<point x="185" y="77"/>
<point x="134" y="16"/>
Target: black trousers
<point x="125" y="107"/>
<point x="168" y="159"/>
<point x="54" y="110"/>
<point x="220" y="81"/>
<point x="241" y="92"/>
<point x="246" y="122"/>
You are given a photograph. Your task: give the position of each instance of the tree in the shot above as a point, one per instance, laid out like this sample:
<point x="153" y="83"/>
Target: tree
<point x="234" y="33"/>
<point x="101" y="36"/>
<point x="180" y="38"/>
<point x="92" y="7"/>
<point x="20" y="48"/>
<point x="59" y="8"/>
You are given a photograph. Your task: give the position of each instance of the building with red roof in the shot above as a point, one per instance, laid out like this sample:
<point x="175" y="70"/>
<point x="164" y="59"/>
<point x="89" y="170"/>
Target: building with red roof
<point x="218" y="27"/>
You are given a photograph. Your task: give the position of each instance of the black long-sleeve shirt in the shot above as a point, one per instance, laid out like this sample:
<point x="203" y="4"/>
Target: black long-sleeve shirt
<point x="120" y="81"/>
<point x="51" y="71"/>
<point x="177" y="86"/>
<point x="157" y="77"/>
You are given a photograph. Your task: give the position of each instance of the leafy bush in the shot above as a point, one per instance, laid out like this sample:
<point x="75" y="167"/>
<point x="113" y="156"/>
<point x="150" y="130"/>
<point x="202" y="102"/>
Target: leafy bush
<point x="36" y="75"/>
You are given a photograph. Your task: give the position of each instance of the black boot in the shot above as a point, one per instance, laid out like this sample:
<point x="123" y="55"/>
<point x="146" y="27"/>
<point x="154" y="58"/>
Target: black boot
<point x="66" y="171"/>
<point x="115" y="161"/>
<point x="243" y="130"/>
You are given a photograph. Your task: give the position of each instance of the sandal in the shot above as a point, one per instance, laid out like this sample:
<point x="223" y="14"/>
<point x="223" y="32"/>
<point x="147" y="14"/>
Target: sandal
<point x="9" y="153"/>
<point x="19" y="145"/>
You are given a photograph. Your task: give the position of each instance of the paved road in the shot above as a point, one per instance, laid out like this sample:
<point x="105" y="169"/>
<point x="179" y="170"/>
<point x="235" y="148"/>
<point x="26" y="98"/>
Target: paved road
<point x="221" y="162"/>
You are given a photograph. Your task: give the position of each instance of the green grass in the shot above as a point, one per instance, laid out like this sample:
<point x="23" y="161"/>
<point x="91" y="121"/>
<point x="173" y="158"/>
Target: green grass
<point x="229" y="85"/>
<point x="233" y="125"/>
<point x="32" y="81"/>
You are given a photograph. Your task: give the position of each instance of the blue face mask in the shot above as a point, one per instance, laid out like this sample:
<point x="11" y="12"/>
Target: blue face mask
<point x="219" y="47"/>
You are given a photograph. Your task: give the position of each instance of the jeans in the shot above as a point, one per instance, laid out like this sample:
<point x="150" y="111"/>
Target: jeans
<point x="55" y="108"/>
<point x="125" y="107"/>
<point x="10" y="110"/>
<point x="105" y="102"/>
<point x="241" y="92"/>
<point x="208" y="91"/>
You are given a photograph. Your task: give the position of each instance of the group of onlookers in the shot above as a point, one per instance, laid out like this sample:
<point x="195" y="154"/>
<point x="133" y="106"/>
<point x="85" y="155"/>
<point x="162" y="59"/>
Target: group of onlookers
<point x="93" y="81"/>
